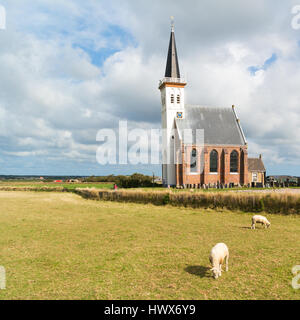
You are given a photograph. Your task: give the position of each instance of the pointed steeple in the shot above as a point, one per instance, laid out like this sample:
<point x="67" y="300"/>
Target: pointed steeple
<point x="172" y="68"/>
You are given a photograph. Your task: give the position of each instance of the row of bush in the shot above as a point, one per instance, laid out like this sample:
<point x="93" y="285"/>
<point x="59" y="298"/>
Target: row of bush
<point x="285" y="203"/>
<point x="94" y="179"/>
<point x="134" y="181"/>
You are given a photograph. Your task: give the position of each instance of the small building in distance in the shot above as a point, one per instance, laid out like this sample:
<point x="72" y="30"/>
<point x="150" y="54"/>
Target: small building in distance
<point x="73" y="181"/>
<point x="257" y="172"/>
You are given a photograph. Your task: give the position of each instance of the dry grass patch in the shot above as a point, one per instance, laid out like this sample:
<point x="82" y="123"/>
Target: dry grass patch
<point x="287" y="202"/>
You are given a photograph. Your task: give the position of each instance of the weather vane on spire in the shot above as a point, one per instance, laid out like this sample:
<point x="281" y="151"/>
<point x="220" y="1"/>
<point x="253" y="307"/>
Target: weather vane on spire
<point x="172" y="23"/>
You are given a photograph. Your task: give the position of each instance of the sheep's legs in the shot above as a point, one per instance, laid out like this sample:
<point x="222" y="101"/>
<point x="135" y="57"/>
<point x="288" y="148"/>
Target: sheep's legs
<point x="227" y="258"/>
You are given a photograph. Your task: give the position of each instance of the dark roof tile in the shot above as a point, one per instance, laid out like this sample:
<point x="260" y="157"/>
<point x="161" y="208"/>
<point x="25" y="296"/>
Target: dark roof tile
<point x="256" y="164"/>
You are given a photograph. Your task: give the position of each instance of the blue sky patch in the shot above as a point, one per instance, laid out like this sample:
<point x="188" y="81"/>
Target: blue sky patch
<point x="97" y="57"/>
<point x="116" y="39"/>
<point x="265" y="66"/>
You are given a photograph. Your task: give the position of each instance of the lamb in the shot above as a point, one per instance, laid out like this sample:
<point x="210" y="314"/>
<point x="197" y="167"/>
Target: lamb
<point x="217" y="256"/>
<point x="260" y="219"/>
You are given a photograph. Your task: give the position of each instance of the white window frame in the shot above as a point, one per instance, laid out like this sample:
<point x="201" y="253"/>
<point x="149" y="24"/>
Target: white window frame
<point x="253" y="175"/>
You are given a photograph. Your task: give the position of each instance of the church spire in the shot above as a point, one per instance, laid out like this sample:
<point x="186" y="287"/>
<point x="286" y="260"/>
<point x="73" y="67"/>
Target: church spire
<point x="172" y="68"/>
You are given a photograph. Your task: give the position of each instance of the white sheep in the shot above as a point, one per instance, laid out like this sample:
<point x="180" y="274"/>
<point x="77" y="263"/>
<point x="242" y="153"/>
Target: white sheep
<point x="217" y="256"/>
<point x="260" y="219"/>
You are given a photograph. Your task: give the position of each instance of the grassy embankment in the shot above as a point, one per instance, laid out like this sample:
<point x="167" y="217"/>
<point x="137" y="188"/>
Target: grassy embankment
<point x="272" y="201"/>
<point x="287" y="202"/>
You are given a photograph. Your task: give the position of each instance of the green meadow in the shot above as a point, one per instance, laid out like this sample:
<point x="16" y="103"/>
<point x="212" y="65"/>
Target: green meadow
<point x="69" y="186"/>
<point x="61" y="246"/>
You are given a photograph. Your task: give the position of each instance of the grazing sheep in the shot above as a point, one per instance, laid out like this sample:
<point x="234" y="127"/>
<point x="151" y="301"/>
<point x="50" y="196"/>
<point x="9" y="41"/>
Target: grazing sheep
<point x="260" y="219"/>
<point x="217" y="256"/>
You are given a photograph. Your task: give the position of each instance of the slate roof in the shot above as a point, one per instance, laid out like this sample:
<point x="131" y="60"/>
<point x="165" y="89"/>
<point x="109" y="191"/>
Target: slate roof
<point x="221" y="126"/>
<point x="256" y="164"/>
<point x="172" y="68"/>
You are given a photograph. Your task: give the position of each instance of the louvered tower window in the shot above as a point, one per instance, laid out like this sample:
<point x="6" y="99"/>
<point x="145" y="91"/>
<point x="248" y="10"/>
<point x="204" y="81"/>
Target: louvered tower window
<point x="172" y="98"/>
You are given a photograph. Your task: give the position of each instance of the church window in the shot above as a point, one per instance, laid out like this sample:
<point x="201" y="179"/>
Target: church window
<point x="214" y="161"/>
<point x="172" y="98"/>
<point x="193" y="163"/>
<point x="178" y="98"/>
<point x="234" y="157"/>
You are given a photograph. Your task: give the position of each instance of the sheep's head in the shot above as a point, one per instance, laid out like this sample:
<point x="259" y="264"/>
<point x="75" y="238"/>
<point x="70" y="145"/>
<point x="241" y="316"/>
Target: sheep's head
<point x="268" y="225"/>
<point x="215" y="272"/>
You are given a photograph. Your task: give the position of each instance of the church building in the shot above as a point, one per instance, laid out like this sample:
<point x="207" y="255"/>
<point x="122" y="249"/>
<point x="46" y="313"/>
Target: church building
<point x="219" y="157"/>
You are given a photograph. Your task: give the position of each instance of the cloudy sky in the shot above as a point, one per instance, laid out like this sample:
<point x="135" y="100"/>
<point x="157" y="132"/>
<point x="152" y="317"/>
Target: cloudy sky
<point x="69" y="68"/>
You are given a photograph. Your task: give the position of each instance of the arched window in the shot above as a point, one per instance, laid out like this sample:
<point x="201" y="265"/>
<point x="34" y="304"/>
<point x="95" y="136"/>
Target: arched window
<point x="213" y="161"/>
<point x="234" y="160"/>
<point x="193" y="163"/>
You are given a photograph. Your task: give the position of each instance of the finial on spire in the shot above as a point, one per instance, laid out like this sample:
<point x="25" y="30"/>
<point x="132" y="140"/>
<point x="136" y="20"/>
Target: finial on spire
<point x="172" y="23"/>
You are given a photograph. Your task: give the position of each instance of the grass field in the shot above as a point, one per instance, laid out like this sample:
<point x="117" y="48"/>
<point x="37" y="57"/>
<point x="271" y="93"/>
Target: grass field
<point x="60" y="246"/>
<point x="69" y="186"/>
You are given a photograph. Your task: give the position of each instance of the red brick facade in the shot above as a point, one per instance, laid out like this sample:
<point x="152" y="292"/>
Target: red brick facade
<point x="203" y="174"/>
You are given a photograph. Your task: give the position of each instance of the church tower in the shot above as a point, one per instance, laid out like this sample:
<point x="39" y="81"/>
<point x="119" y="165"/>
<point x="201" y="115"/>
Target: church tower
<point x="172" y="98"/>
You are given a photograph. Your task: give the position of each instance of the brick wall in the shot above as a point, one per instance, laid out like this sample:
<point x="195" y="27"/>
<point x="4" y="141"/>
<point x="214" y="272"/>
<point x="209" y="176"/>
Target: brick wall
<point x="222" y="176"/>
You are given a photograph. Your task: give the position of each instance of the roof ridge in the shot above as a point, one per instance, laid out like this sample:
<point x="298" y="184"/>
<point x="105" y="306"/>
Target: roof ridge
<point x="207" y="107"/>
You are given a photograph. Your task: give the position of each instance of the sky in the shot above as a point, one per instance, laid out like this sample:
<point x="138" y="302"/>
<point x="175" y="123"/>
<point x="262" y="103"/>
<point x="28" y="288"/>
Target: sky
<point x="69" y="68"/>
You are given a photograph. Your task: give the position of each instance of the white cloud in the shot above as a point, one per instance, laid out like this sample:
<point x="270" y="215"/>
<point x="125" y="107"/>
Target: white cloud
<point x="53" y="99"/>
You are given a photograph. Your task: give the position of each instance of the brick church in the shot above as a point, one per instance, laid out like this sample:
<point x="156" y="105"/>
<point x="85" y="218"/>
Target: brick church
<point x="218" y="157"/>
